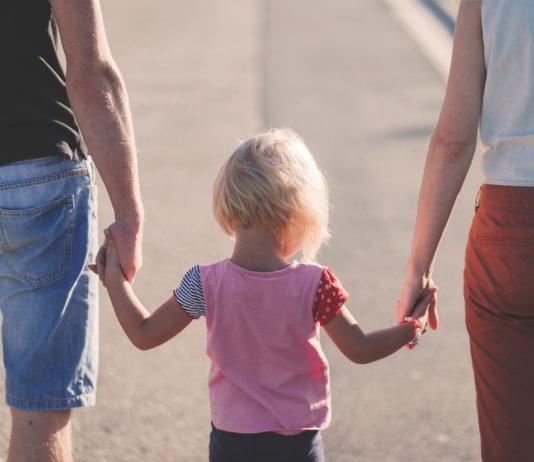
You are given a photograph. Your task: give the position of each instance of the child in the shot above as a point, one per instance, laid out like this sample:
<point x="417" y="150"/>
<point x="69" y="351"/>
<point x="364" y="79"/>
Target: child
<point x="268" y="380"/>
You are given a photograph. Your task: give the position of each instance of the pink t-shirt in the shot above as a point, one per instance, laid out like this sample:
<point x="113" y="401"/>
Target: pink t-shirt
<point x="268" y="371"/>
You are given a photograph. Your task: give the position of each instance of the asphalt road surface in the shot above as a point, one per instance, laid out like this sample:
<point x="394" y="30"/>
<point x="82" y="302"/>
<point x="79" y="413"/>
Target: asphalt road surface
<point x="350" y="80"/>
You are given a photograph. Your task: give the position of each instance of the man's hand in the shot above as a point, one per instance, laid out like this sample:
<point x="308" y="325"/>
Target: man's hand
<point x="113" y="273"/>
<point x="128" y="239"/>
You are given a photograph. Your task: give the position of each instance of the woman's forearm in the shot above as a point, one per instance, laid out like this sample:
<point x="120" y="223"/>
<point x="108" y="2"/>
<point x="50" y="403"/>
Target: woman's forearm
<point x="454" y="140"/>
<point x="446" y="168"/>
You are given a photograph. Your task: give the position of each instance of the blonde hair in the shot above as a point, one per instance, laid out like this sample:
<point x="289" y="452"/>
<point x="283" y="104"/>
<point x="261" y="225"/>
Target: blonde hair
<point x="273" y="182"/>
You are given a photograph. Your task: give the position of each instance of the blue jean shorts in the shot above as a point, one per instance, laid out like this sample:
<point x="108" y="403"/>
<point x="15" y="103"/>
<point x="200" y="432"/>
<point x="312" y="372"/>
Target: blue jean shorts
<point x="48" y="297"/>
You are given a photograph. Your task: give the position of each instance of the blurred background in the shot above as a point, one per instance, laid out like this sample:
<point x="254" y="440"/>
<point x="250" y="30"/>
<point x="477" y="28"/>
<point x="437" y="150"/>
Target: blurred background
<point x="362" y="81"/>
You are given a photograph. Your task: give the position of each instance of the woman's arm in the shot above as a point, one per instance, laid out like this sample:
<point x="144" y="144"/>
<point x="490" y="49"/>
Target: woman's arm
<point x="363" y="348"/>
<point x="450" y="153"/>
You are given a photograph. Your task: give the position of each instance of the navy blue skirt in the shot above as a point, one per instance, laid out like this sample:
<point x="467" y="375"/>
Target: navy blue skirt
<point x="265" y="447"/>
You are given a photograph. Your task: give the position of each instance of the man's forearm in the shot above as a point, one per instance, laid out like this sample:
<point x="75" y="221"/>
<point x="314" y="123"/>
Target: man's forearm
<point x="100" y="102"/>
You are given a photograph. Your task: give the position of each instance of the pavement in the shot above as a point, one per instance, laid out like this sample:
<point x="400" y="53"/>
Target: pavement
<point x="349" y="78"/>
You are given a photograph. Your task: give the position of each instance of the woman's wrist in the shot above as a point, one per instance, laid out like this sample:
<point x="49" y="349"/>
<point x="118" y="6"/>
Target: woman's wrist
<point x="418" y="275"/>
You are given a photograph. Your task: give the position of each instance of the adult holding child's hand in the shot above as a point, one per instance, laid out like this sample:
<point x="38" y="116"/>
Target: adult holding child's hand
<point x="491" y="81"/>
<point x="412" y="290"/>
<point x="128" y="239"/>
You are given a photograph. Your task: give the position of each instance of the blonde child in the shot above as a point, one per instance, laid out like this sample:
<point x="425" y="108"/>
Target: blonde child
<point x="268" y="380"/>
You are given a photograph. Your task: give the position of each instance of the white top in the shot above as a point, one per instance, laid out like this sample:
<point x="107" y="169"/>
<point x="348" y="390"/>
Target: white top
<point x="507" y="119"/>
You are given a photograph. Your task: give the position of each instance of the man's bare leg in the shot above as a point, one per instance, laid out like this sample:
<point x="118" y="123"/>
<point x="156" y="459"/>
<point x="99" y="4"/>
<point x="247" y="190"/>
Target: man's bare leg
<point x="40" y="436"/>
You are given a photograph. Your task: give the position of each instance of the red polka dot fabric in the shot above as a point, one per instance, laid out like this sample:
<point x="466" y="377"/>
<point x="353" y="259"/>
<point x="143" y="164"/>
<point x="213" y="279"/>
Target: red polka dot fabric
<point x="329" y="298"/>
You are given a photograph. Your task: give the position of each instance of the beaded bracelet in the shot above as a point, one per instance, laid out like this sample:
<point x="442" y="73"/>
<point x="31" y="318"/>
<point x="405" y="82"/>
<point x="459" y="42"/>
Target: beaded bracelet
<point x="417" y="329"/>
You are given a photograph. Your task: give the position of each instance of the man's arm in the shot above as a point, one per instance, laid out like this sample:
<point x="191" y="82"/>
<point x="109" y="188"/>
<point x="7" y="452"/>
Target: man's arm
<point x="99" y="100"/>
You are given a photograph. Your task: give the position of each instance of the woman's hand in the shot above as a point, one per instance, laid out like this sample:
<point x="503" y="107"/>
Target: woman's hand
<point x="409" y="301"/>
<point x="425" y="306"/>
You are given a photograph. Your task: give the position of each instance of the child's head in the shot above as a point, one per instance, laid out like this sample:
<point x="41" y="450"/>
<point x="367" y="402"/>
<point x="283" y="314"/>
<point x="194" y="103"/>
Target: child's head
<point x="272" y="182"/>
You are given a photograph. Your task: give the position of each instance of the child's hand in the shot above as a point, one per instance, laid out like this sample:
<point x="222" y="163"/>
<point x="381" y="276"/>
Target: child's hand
<point x="100" y="262"/>
<point x="113" y="273"/>
<point x="427" y="299"/>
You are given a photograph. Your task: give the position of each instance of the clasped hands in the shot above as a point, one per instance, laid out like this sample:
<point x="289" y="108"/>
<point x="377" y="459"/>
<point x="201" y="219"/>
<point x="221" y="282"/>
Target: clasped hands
<point x="126" y="242"/>
<point x="415" y="291"/>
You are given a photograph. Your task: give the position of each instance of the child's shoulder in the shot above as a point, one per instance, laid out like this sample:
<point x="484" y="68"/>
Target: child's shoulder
<point x="312" y="271"/>
<point x="214" y="265"/>
<point x="310" y="265"/>
<point x="198" y="271"/>
<point x="326" y="276"/>
<point x="218" y="267"/>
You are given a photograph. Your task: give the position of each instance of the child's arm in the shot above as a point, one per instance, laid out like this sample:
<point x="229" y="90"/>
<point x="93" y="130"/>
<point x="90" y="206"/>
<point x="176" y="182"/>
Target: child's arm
<point x="363" y="348"/>
<point x="144" y="330"/>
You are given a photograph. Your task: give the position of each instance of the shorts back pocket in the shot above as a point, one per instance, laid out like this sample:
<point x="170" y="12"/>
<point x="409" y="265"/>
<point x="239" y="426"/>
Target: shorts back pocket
<point x="38" y="241"/>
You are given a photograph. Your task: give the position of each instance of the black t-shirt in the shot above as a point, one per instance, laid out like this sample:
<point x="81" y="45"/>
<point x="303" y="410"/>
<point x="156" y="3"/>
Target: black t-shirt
<point x="35" y="115"/>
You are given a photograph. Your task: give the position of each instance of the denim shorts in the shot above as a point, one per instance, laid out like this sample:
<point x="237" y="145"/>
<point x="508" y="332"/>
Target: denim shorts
<point x="48" y="297"/>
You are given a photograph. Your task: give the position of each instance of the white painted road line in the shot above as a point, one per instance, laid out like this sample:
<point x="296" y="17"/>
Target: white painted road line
<point x="429" y="33"/>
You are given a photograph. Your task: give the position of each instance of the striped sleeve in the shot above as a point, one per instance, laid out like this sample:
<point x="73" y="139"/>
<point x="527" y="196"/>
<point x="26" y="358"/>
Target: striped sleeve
<point x="190" y="294"/>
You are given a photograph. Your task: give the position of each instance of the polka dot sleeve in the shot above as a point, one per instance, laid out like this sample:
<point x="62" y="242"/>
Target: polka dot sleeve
<point x="329" y="298"/>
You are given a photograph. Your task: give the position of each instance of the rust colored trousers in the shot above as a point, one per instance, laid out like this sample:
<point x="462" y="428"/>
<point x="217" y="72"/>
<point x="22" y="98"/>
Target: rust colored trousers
<point x="499" y="299"/>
